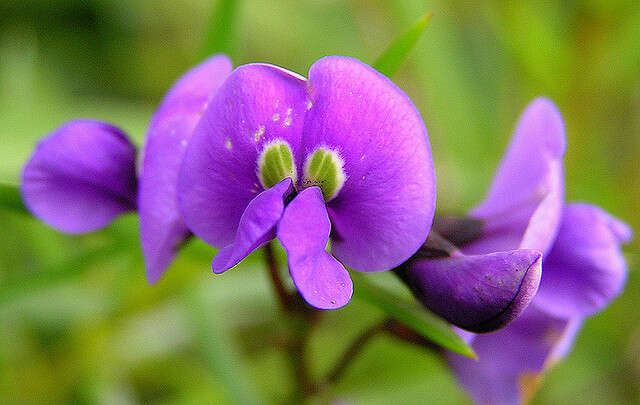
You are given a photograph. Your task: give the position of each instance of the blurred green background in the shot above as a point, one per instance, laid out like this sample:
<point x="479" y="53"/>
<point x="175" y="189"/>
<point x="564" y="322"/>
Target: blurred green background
<point x="78" y="322"/>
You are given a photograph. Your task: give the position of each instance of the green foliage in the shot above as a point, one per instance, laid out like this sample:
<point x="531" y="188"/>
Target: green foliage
<point x="391" y="59"/>
<point x="221" y="29"/>
<point x="10" y="199"/>
<point x="218" y="349"/>
<point x="409" y="313"/>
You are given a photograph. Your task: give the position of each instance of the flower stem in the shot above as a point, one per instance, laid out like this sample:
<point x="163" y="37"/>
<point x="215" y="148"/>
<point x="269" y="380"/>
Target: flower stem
<point x="301" y="319"/>
<point x="305" y="386"/>
<point x="388" y="325"/>
<point x="353" y="350"/>
<point x="281" y="292"/>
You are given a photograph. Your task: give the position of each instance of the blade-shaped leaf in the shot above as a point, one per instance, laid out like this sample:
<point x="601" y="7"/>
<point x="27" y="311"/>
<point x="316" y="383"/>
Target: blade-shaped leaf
<point x="395" y="54"/>
<point x="220" y="29"/>
<point x="411" y="314"/>
<point x="57" y="274"/>
<point x="218" y="349"/>
<point x="10" y="198"/>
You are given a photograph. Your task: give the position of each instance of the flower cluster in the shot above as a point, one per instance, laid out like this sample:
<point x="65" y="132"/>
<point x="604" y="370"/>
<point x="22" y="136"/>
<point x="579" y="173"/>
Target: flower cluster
<point x="239" y="157"/>
<point x="583" y="266"/>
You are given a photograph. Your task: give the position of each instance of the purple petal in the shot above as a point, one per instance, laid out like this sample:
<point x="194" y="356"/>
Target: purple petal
<point x="524" y="204"/>
<point x="304" y="231"/>
<point x="384" y="211"/>
<point x="257" y="226"/>
<point x="81" y="176"/>
<point x="585" y="268"/>
<point x="478" y="293"/>
<point x="161" y="227"/>
<point x="511" y="356"/>
<point x="564" y="345"/>
<point x="256" y="104"/>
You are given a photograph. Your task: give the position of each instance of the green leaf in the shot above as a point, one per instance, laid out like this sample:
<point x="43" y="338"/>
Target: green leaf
<point x="391" y="59"/>
<point x="409" y="313"/>
<point x="56" y="274"/>
<point x="218" y="349"/>
<point x="633" y="261"/>
<point x="220" y="29"/>
<point x="10" y="199"/>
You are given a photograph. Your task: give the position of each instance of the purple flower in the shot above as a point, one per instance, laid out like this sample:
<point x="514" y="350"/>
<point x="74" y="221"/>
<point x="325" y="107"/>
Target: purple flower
<point x="498" y="275"/>
<point x="523" y="208"/>
<point x="80" y="177"/>
<point x="83" y="174"/>
<point x="343" y="154"/>
<point x="479" y="293"/>
<point x="162" y="229"/>
<point x="583" y="264"/>
<point x="585" y="268"/>
<point x="510" y="360"/>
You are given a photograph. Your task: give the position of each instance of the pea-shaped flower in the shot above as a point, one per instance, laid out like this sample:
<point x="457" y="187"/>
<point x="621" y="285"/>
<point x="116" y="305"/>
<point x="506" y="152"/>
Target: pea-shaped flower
<point x="583" y="272"/>
<point x="83" y="174"/>
<point x="498" y="274"/>
<point x="162" y="230"/>
<point x="343" y="154"/>
<point x="583" y="265"/>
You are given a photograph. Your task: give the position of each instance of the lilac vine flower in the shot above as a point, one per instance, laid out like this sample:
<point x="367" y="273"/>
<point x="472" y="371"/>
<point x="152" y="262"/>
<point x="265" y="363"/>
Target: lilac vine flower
<point x="344" y="154"/>
<point x="493" y="279"/>
<point x="83" y="175"/>
<point x="80" y="177"/>
<point x="583" y="265"/>
<point x="162" y="229"/>
<point x="480" y="293"/>
<point x="584" y="270"/>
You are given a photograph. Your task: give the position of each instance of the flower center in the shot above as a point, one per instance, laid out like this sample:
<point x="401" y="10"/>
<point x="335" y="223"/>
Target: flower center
<point x="324" y="168"/>
<point x="275" y="163"/>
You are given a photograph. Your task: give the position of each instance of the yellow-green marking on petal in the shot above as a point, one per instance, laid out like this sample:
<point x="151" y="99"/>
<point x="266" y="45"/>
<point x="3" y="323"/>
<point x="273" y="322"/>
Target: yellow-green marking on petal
<point x="324" y="168"/>
<point x="275" y="163"/>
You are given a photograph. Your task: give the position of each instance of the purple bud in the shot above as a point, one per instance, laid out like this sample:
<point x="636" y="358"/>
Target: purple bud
<point x="479" y="293"/>
<point x="81" y="177"/>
